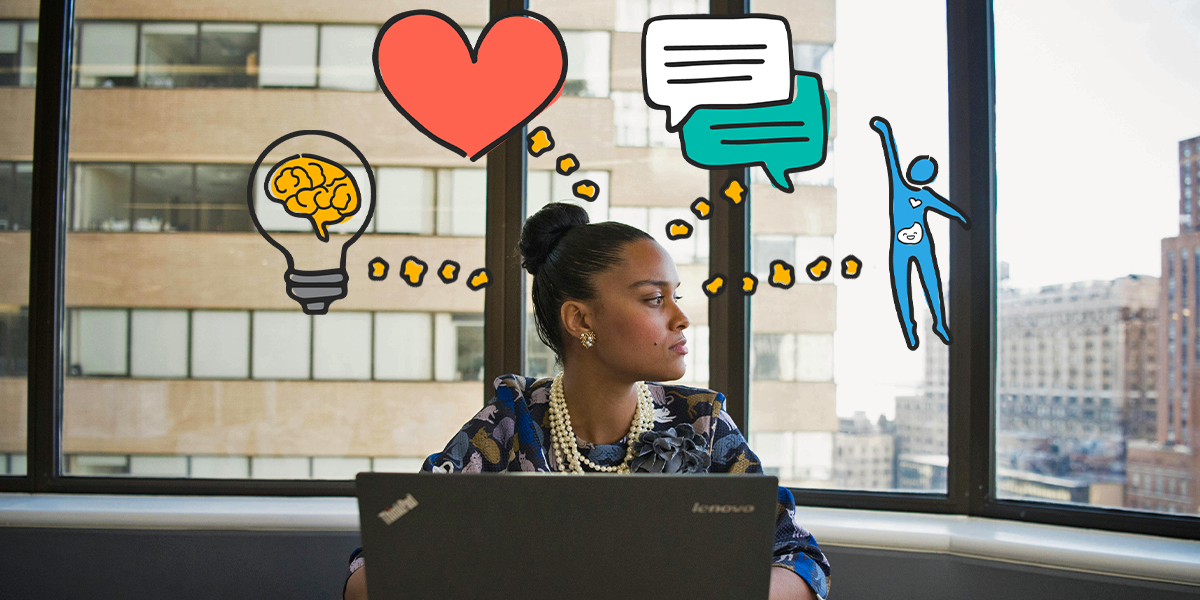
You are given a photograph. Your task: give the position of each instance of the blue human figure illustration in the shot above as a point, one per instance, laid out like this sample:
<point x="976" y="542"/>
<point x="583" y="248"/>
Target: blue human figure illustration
<point x="911" y="242"/>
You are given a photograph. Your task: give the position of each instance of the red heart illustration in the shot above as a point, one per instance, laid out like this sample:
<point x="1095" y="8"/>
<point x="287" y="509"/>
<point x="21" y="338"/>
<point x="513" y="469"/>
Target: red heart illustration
<point x="470" y="99"/>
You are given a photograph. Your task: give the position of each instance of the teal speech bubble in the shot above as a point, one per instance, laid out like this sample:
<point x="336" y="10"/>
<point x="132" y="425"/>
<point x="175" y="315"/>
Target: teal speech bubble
<point x="782" y="139"/>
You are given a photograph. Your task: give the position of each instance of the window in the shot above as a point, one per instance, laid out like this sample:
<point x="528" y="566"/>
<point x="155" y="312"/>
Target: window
<point x="16" y="190"/>
<point x="458" y="347"/>
<point x="191" y="336"/>
<point x="289" y="56"/>
<point x="1109" y="448"/>
<point x="587" y="69"/>
<point x="161" y="197"/>
<point x="220" y="344"/>
<point x="346" y="57"/>
<point x="158" y="343"/>
<point x="403" y="346"/>
<point x="637" y="125"/>
<point x="228" y="55"/>
<point x="342" y="346"/>
<point x="99" y="342"/>
<point x="14" y="341"/>
<point x="282" y="345"/>
<point x="461" y="202"/>
<point x="108" y="54"/>
<point x="169" y="53"/>
<point x="805" y="345"/>
<point x="815" y="58"/>
<point x="632" y="14"/>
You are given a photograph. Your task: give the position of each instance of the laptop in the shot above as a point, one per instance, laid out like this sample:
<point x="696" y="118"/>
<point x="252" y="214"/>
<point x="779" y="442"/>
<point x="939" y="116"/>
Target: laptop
<point x="494" y="536"/>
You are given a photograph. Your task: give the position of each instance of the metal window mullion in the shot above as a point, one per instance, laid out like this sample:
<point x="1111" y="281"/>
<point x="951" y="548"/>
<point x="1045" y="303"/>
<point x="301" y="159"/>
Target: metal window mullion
<point x="972" y="125"/>
<point x="729" y="255"/>
<point x="504" y="299"/>
<point x="47" y="243"/>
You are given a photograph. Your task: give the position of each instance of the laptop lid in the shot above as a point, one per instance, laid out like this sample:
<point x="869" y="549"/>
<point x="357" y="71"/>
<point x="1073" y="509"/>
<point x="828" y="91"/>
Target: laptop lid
<point x="530" y="536"/>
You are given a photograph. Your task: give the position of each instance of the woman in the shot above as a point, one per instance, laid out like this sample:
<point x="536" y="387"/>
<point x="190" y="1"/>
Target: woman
<point x="604" y="297"/>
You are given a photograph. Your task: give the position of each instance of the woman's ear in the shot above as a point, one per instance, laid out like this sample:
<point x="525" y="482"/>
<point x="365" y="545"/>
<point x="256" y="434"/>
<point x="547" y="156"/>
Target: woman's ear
<point x="576" y="317"/>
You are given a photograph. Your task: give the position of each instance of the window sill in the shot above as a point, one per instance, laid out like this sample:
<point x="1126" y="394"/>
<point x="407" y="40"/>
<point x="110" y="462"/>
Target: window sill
<point x="1047" y="546"/>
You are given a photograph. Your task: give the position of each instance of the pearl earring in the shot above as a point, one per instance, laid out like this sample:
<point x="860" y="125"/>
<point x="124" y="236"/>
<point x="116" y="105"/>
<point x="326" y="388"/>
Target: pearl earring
<point x="587" y="338"/>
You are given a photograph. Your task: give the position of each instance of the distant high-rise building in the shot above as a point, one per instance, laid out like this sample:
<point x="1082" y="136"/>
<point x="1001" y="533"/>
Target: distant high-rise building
<point x="1163" y="471"/>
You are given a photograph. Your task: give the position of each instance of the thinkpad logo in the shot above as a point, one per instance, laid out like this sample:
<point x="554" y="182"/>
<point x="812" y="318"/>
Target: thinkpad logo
<point x="390" y="514"/>
<point x="722" y="508"/>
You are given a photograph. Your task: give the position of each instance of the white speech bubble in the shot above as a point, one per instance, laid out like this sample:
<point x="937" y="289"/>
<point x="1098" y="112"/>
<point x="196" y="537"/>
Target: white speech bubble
<point x="691" y="61"/>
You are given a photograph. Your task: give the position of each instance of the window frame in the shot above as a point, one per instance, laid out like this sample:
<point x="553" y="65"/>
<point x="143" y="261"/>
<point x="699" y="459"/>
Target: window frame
<point x="972" y="487"/>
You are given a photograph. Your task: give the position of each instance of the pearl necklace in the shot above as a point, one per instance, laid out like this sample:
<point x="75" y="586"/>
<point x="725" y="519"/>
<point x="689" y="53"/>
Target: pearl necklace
<point x="563" y="437"/>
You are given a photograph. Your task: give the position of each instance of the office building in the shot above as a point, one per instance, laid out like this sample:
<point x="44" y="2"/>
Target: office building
<point x="185" y="357"/>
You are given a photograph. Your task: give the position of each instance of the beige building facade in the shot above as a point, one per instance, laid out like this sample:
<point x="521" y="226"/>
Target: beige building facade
<point x="185" y="357"/>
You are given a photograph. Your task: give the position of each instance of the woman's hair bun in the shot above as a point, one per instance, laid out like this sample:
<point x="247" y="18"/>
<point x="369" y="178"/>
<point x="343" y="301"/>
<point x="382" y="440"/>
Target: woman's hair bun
<point x="545" y="229"/>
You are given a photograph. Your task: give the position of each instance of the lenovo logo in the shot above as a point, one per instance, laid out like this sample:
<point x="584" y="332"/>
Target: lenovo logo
<point x="722" y="508"/>
<point x="399" y="509"/>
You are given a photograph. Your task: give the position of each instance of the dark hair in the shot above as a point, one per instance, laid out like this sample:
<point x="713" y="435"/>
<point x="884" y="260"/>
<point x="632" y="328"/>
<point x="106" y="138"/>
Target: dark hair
<point x="564" y="253"/>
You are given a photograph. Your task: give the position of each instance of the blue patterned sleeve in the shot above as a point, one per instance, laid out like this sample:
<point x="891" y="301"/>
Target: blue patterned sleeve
<point x="795" y="548"/>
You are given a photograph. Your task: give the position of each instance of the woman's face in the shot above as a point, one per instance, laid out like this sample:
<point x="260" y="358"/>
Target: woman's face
<point x="637" y="320"/>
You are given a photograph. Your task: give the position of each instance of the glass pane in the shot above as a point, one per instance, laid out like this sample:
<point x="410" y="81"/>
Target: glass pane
<point x="221" y="344"/>
<point x="169" y="53"/>
<point x="163" y="198"/>
<point x="1097" y="357"/>
<point x="405" y="200"/>
<point x="158" y="343"/>
<point x="837" y="400"/>
<point x="18" y="59"/>
<point x="186" y="355"/>
<point x="107" y="54"/>
<point x="642" y="179"/>
<point x="342" y="346"/>
<point x="289" y="56"/>
<point x="228" y="55"/>
<point x="346" y="57"/>
<point x="403" y="346"/>
<point x="220" y="203"/>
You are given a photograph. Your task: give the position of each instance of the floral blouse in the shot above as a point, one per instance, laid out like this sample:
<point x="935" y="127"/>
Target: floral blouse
<point x="512" y="433"/>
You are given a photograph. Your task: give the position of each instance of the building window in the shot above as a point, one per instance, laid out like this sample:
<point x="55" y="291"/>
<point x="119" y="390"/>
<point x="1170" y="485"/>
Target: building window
<point x="220" y="344"/>
<point x="815" y="58"/>
<point x="403" y="346"/>
<point x="169" y="54"/>
<point x="637" y="125"/>
<point x="16" y="194"/>
<point x="632" y="14"/>
<point x="588" y="67"/>
<point x="342" y="345"/>
<point x="282" y="345"/>
<point x="346" y="62"/>
<point x="228" y="55"/>
<point x="18" y="53"/>
<point x="158" y="343"/>
<point x="99" y="342"/>
<point x="462" y="202"/>
<point x="405" y="200"/>
<point x="107" y="54"/>
<point x="458" y="347"/>
<point x="14" y="341"/>
<point x="289" y="56"/>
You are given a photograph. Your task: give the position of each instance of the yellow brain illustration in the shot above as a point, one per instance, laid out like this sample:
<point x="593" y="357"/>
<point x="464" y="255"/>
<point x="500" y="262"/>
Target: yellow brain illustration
<point x="314" y="188"/>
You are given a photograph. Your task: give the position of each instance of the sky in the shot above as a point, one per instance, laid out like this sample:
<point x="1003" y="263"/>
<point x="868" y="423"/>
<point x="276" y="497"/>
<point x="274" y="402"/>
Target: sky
<point x="1092" y="100"/>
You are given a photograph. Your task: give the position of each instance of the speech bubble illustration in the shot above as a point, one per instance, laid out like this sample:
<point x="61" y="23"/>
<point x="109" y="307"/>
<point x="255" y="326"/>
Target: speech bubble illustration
<point x="690" y="61"/>
<point x="782" y="139"/>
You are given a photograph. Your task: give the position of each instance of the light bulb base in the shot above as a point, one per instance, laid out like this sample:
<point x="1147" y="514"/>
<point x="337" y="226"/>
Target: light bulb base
<point x="316" y="290"/>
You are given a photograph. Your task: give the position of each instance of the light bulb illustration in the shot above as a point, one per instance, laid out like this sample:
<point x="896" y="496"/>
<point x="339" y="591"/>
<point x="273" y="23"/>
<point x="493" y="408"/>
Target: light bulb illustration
<point x="304" y="197"/>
